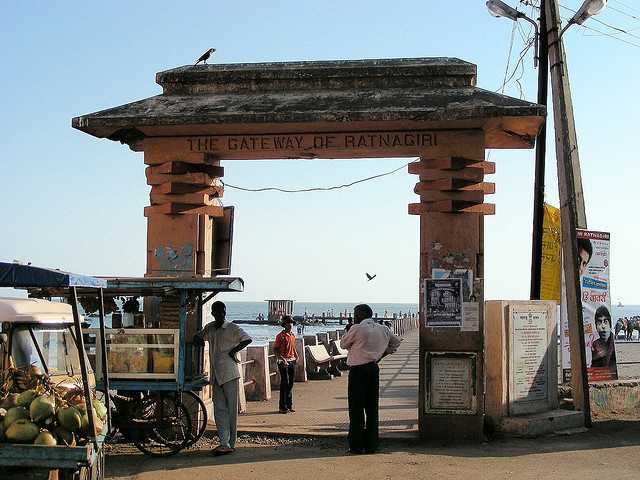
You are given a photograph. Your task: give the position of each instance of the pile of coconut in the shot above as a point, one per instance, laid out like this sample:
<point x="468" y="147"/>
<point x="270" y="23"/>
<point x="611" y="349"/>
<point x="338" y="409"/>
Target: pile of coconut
<point x="34" y="410"/>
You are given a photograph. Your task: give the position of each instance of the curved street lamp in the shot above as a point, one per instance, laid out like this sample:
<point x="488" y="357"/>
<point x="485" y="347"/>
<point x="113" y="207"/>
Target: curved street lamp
<point x="497" y="8"/>
<point x="588" y="9"/>
<point x="500" y="9"/>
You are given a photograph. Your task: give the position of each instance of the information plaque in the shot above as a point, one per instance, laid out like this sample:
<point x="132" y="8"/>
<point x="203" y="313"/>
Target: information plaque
<point x="450" y="383"/>
<point x="531" y="333"/>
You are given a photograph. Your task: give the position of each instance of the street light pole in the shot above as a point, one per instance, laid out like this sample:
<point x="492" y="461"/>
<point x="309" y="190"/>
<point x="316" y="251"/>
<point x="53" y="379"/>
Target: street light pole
<point x="541" y="141"/>
<point x="572" y="210"/>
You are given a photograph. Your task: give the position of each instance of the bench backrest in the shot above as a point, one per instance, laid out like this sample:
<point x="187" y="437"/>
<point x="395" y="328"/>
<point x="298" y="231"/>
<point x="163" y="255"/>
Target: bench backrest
<point x="338" y="349"/>
<point x="318" y="353"/>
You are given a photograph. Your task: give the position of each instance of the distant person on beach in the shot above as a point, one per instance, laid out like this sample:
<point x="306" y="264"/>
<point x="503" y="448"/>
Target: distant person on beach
<point x="349" y="324"/>
<point x="585" y="251"/>
<point x="368" y="342"/>
<point x="285" y="350"/>
<point x="603" y="353"/>
<point x="225" y="339"/>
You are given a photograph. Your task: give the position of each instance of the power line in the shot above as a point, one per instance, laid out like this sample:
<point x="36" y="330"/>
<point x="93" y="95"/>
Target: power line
<point x="605" y="24"/>
<point x="622" y="12"/>
<point x="627" y="6"/>
<point x="315" y="189"/>
<point x="506" y="69"/>
<point x="523" y="52"/>
<point x="606" y="34"/>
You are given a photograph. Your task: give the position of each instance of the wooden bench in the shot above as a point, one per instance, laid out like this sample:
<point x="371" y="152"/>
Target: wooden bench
<point x="320" y="364"/>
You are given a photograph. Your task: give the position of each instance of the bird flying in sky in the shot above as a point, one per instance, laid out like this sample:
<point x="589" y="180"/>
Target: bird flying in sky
<point x="370" y="277"/>
<point x="205" y="56"/>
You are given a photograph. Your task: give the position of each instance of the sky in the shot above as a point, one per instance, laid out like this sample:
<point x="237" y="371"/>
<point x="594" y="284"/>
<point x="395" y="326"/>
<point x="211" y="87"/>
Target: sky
<point x="75" y="202"/>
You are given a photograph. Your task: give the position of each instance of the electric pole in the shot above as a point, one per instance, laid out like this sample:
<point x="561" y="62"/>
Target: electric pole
<point x="572" y="210"/>
<point x="541" y="141"/>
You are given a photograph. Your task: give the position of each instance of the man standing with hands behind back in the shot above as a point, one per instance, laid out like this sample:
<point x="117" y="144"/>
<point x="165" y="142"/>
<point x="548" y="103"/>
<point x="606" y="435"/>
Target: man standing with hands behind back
<point x="368" y="342"/>
<point x="225" y="339"/>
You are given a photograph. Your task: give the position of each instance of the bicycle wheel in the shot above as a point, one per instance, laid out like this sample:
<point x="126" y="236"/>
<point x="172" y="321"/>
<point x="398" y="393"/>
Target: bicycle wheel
<point x="165" y="426"/>
<point x="198" y="413"/>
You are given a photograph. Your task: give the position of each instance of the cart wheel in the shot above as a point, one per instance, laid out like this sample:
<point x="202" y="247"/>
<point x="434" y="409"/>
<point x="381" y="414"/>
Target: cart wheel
<point x="165" y="426"/>
<point x="198" y="413"/>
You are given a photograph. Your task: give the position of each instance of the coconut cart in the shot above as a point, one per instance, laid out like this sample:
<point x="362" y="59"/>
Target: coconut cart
<point x="53" y="426"/>
<point x="159" y="374"/>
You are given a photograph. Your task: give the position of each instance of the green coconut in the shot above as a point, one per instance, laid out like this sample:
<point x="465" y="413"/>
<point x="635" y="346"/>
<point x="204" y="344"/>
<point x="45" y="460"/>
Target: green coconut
<point x="22" y="431"/>
<point x="26" y="397"/>
<point x="80" y="405"/>
<point x="70" y="419"/>
<point x="3" y="413"/>
<point x="99" y="408"/>
<point x="45" y="438"/>
<point x="9" y="401"/>
<point x="13" y="414"/>
<point x="41" y="408"/>
<point x="65" y="437"/>
<point x="96" y="421"/>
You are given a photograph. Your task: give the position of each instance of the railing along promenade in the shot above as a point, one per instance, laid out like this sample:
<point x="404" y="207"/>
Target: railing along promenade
<point x="259" y="370"/>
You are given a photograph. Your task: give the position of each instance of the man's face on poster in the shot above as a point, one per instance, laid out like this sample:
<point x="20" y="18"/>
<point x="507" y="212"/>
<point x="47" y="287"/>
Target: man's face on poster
<point x="583" y="260"/>
<point x="603" y="326"/>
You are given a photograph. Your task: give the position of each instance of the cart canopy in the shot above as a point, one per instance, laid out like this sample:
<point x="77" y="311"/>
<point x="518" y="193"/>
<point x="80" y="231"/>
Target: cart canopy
<point x="35" y="310"/>
<point x="25" y="276"/>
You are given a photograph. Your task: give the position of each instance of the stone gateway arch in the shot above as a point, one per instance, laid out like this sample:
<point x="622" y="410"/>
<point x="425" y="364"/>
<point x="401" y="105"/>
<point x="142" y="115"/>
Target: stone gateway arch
<point x="429" y="108"/>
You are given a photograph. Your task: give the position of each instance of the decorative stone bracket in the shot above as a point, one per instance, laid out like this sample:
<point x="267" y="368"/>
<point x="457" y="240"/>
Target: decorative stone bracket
<point x="185" y="187"/>
<point x="452" y="185"/>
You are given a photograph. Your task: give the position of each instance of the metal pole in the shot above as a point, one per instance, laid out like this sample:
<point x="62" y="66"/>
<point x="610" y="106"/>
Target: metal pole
<point x="103" y="357"/>
<point x="83" y="366"/>
<point x="541" y="142"/>
<point x="572" y="211"/>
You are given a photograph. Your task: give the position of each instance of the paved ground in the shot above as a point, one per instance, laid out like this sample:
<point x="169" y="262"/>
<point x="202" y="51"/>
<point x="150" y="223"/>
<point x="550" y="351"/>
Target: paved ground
<point x="611" y="450"/>
<point x="321" y="405"/>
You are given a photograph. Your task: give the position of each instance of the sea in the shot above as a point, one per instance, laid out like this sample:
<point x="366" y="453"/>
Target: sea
<point x="262" y="334"/>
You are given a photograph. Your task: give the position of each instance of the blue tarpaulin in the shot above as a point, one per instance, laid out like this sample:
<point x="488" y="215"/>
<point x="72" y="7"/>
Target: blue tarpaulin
<point x="25" y="276"/>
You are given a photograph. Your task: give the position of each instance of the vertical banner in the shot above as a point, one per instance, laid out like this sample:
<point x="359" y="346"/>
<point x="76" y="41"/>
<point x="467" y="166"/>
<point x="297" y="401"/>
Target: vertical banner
<point x="593" y="258"/>
<point x="550" y="262"/>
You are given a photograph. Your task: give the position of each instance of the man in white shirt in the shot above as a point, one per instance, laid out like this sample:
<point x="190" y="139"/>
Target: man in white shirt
<point x="225" y="339"/>
<point x="367" y="342"/>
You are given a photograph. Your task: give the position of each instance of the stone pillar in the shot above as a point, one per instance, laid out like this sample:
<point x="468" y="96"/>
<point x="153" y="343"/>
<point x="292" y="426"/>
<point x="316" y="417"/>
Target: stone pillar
<point x="242" y="397"/>
<point x="522" y="358"/>
<point x="273" y="369"/>
<point x="451" y="209"/>
<point x="259" y="372"/>
<point x="301" y="364"/>
<point x="185" y="191"/>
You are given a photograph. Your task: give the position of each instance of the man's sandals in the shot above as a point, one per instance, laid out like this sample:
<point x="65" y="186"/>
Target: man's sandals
<point x="220" y="450"/>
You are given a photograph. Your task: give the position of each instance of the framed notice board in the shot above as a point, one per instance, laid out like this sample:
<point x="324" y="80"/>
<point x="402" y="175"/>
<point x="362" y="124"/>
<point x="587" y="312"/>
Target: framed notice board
<point x="451" y="383"/>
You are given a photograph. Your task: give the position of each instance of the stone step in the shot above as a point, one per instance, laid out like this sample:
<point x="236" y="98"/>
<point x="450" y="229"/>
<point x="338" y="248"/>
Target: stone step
<point x="542" y="423"/>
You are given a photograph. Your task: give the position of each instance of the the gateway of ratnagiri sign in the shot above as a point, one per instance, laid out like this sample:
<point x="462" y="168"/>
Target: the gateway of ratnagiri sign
<point x="428" y="108"/>
<point x="285" y="144"/>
